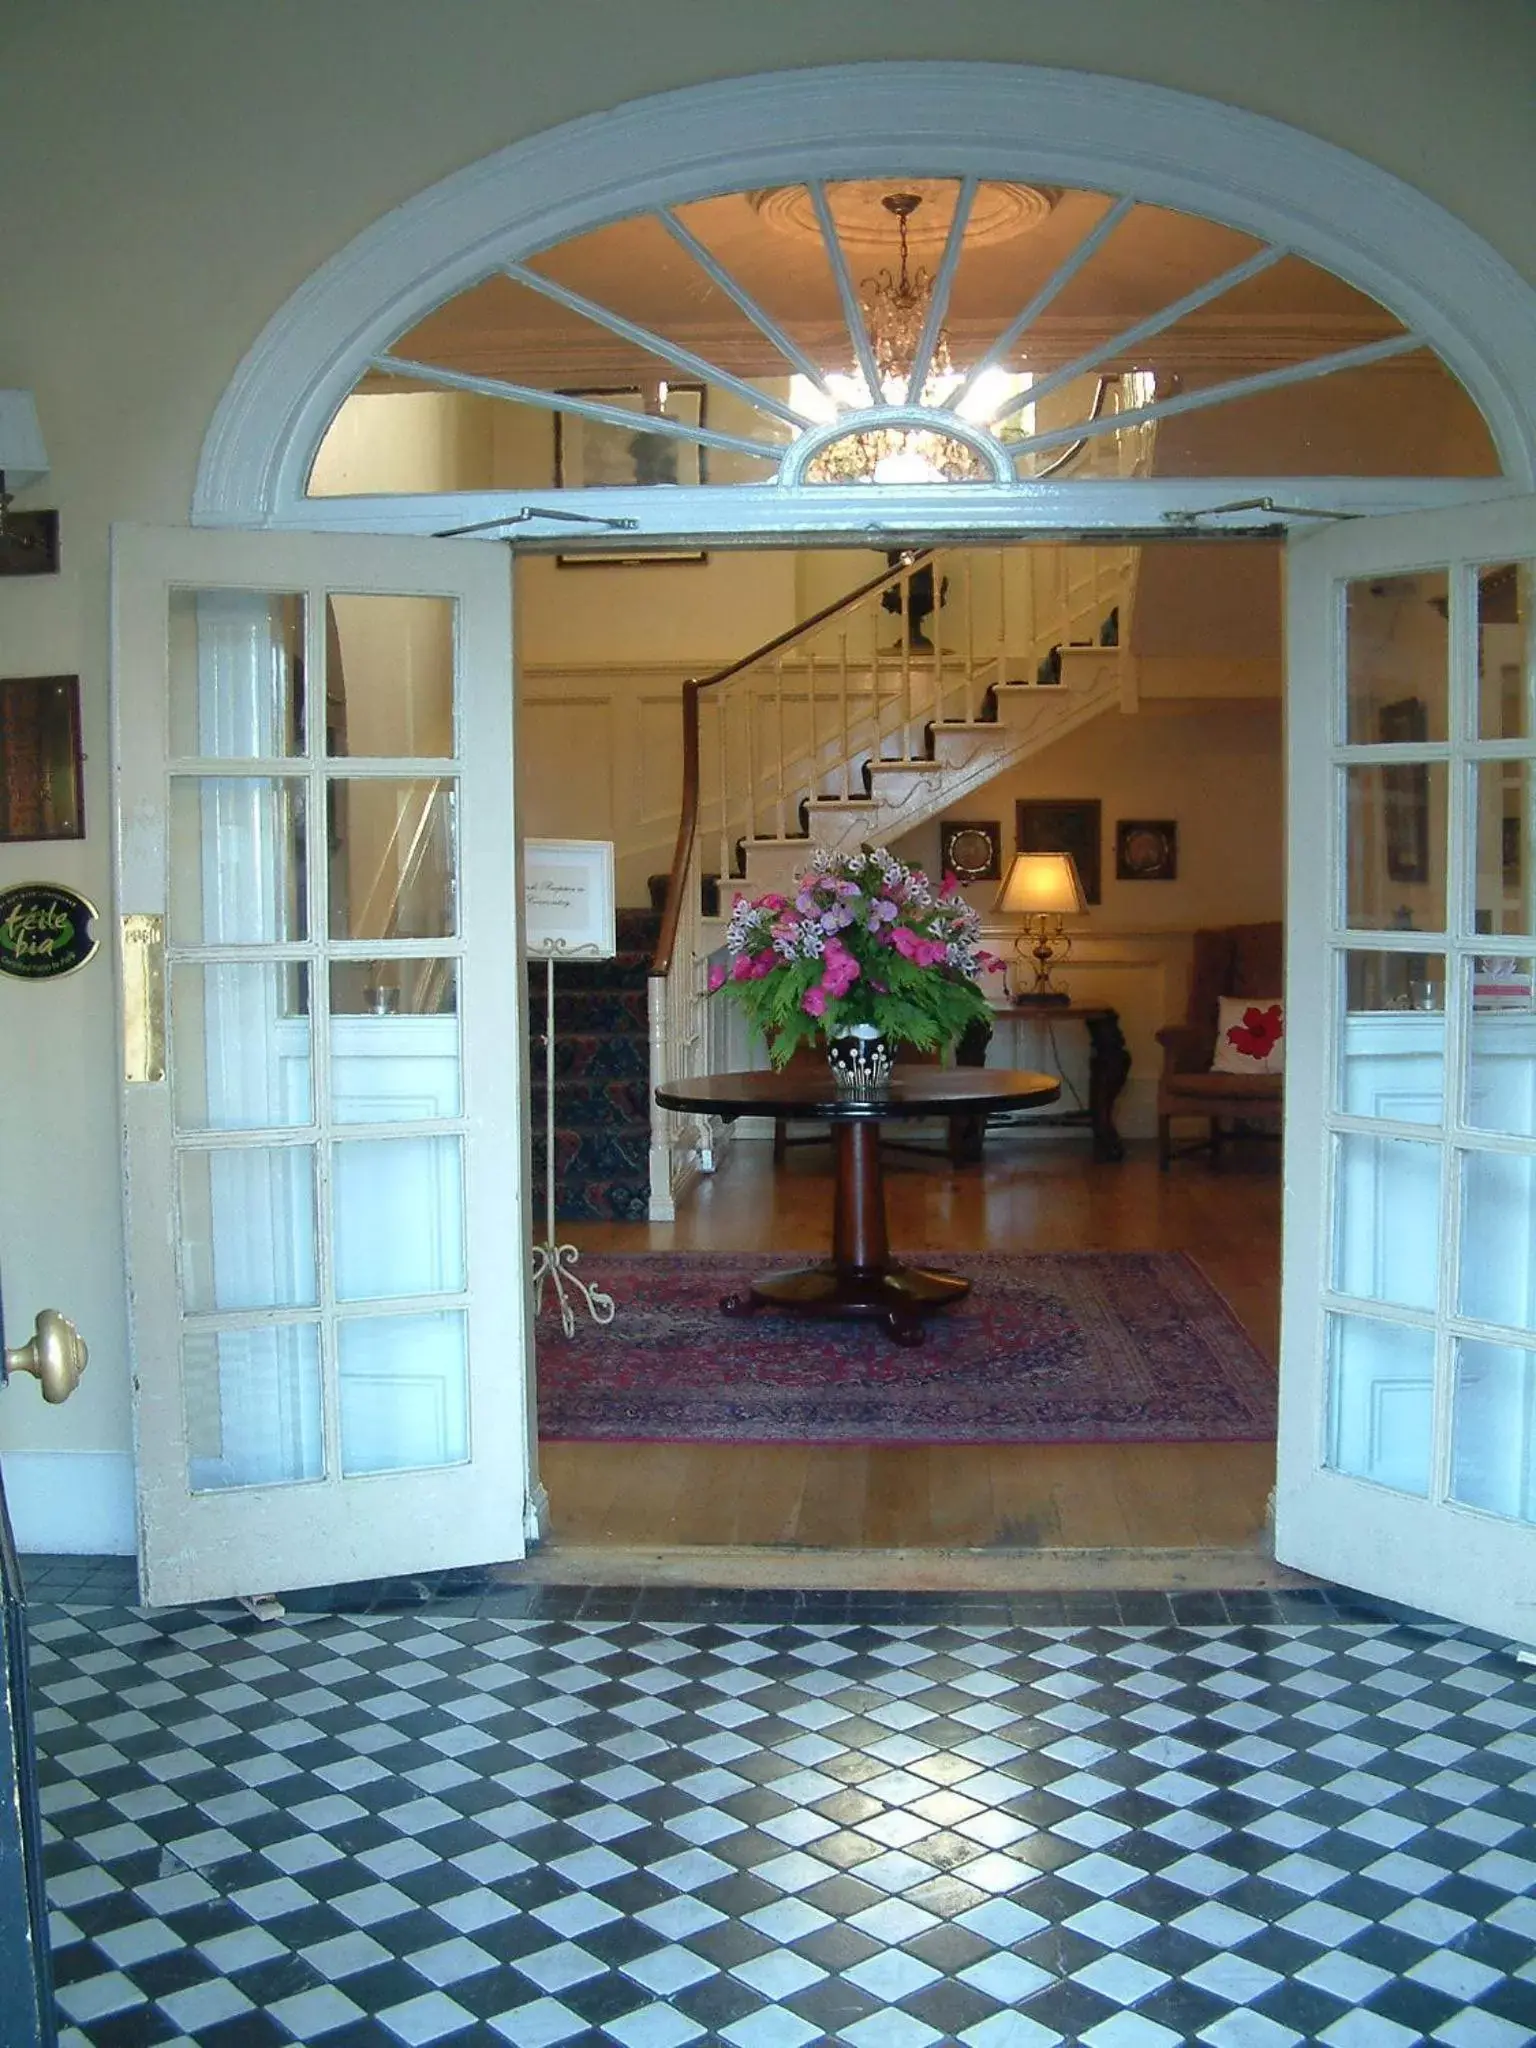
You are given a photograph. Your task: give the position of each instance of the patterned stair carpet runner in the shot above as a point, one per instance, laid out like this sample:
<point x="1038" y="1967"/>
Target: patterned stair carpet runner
<point x="1073" y="1347"/>
<point x="602" y="1080"/>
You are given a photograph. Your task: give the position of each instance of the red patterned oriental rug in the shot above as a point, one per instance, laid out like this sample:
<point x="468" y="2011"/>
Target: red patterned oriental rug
<point x="1048" y="1348"/>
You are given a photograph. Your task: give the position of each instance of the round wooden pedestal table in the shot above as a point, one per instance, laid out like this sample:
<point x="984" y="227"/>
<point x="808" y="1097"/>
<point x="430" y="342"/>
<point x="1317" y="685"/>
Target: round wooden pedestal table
<point x="860" y="1278"/>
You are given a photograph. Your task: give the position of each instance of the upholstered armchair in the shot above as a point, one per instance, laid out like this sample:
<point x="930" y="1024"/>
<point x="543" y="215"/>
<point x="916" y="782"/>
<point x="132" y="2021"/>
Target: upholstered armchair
<point x="1236" y="960"/>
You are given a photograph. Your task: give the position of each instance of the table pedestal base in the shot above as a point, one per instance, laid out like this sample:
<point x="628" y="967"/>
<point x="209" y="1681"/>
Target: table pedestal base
<point x="898" y="1296"/>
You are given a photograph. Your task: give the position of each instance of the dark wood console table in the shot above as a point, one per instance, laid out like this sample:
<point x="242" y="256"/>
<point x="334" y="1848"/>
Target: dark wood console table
<point x="860" y="1278"/>
<point x="1109" y="1064"/>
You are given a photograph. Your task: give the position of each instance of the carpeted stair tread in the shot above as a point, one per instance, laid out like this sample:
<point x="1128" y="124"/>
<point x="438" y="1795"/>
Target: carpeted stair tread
<point x="623" y="971"/>
<point x="602" y="1078"/>
<point x="597" y="1055"/>
<point x="589" y="1154"/>
<point x="597" y="1009"/>
<point x="621" y="1102"/>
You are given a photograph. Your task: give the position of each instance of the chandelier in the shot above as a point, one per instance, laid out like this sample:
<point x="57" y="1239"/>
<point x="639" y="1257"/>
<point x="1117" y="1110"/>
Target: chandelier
<point x="896" y="305"/>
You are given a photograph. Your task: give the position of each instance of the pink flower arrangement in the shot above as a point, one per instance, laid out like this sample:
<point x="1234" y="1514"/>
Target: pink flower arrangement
<point x="864" y="940"/>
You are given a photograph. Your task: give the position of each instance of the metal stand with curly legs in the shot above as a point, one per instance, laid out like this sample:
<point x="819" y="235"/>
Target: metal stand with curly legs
<point x="556" y="1262"/>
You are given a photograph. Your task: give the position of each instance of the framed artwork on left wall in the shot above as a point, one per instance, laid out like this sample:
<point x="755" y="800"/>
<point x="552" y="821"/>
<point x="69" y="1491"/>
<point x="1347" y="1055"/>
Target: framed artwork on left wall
<point x="42" y="774"/>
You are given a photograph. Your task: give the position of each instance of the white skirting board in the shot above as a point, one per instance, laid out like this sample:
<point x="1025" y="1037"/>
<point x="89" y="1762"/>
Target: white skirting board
<point x="71" y="1503"/>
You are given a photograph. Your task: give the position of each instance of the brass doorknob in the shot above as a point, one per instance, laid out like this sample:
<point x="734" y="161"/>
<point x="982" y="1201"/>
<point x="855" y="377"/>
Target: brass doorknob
<point x="56" y="1356"/>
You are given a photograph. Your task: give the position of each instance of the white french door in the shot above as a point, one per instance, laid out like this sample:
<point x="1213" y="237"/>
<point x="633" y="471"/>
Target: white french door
<point x="323" y="1078"/>
<point x="1407" y="1452"/>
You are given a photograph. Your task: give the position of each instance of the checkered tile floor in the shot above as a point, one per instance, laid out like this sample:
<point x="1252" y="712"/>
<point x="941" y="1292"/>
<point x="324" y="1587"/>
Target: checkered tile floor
<point x="478" y="1828"/>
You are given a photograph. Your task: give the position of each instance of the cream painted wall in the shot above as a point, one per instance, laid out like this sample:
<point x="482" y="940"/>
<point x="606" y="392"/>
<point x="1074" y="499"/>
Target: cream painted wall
<point x="174" y="170"/>
<point x="1216" y="769"/>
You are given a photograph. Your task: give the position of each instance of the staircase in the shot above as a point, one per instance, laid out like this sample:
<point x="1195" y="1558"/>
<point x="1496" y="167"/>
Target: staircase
<point x="834" y="736"/>
<point x="829" y="738"/>
<point x="602" y="1079"/>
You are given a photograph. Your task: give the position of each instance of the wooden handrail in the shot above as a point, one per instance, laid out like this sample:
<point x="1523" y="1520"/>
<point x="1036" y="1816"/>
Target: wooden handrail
<point x="687" y="823"/>
<point x="846" y="602"/>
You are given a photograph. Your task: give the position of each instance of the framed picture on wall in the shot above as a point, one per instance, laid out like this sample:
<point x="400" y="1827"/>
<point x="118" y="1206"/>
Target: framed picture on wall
<point x="42" y="772"/>
<point x="1146" y="850"/>
<point x="971" y="849"/>
<point x="1065" y="825"/>
<point x="593" y="454"/>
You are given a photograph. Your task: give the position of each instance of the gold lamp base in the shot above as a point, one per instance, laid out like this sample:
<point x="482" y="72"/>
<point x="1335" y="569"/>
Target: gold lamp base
<point x="1045" y="942"/>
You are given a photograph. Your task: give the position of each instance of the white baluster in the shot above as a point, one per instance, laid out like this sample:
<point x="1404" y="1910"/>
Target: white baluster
<point x="780" y="813"/>
<point x="845" y="735"/>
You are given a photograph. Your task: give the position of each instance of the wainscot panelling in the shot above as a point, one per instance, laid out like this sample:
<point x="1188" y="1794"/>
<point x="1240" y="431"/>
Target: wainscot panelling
<point x="601" y="758"/>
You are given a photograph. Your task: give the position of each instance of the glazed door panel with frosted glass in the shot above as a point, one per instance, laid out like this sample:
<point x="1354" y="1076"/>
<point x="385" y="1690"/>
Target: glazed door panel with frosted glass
<point x="1408" y="1412"/>
<point x="322" y="1162"/>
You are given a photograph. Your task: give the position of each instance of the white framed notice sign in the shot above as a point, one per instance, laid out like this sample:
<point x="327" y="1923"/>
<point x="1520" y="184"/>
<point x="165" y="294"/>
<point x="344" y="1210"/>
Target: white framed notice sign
<point x="568" y="899"/>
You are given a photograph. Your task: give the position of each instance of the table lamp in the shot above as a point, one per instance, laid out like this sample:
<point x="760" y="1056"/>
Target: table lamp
<point x="1043" y="889"/>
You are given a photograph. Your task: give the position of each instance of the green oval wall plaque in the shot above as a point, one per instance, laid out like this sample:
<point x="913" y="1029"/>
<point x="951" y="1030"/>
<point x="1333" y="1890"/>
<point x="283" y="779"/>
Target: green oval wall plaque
<point x="45" y="931"/>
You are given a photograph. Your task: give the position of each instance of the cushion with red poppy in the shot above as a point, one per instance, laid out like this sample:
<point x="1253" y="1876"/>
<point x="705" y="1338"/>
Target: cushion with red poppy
<point x="1250" y="1036"/>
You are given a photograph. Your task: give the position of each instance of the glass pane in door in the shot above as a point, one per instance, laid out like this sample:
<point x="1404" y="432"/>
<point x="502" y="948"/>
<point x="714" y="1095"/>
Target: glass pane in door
<point x="240" y="1044"/>
<point x="246" y="1227"/>
<point x="398" y="1217"/>
<point x="1498" y="1255"/>
<point x="1381" y="1387"/>
<point x="1500" y="1026"/>
<point x="1387" y="1219"/>
<point x="1395" y="845"/>
<point x="389" y="687"/>
<point x="393" y="857"/>
<point x="1397" y="685"/>
<point x="237" y="672"/>
<point x="1392" y="1042"/>
<point x="404" y="1392"/>
<point x="395" y="1049"/>
<point x="1494" y="1428"/>
<point x="1502" y="797"/>
<point x="1506" y="670"/>
<point x="238" y="854"/>
<point x="253" y="1406"/>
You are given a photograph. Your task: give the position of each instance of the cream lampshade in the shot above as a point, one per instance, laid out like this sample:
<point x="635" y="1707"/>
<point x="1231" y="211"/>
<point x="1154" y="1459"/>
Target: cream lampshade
<point x="1043" y="890"/>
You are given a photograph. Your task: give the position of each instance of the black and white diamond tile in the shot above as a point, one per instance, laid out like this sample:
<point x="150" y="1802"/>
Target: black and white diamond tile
<point x="438" y="1826"/>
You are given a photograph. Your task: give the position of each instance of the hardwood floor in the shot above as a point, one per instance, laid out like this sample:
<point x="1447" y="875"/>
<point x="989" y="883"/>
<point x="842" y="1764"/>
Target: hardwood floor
<point x="1032" y="1191"/>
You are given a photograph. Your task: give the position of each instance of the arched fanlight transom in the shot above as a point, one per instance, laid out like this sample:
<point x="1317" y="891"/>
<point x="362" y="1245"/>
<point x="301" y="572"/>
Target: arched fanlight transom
<point x="907" y="331"/>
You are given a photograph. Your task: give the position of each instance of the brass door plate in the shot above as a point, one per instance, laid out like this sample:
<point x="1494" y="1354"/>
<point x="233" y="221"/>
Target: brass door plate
<point x="143" y="997"/>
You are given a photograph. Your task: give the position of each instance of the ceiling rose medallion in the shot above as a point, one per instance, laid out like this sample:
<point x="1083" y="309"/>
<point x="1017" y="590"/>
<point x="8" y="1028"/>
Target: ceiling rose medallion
<point x="999" y="213"/>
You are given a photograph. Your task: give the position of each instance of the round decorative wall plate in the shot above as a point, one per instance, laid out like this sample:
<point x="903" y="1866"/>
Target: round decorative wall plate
<point x="1146" y="850"/>
<point x="971" y="851"/>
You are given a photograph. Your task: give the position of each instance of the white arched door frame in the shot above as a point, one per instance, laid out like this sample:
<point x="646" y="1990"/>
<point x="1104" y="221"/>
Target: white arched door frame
<point x="988" y="120"/>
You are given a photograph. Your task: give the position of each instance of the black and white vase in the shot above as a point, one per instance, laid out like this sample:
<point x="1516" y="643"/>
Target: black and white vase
<point x="860" y="1060"/>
